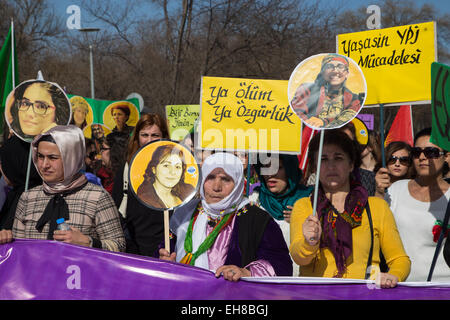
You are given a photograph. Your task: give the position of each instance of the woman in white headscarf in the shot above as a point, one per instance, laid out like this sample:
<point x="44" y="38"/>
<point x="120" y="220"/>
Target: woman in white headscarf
<point x="222" y="232"/>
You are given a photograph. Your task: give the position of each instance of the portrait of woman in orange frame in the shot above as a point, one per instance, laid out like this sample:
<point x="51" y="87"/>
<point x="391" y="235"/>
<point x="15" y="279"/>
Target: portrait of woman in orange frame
<point x="164" y="185"/>
<point x="36" y="106"/>
<point x="328" y="102"/>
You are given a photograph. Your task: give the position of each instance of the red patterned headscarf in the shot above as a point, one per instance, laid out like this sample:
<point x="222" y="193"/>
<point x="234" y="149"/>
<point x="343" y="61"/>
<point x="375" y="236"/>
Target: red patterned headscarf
<point x="334" y="57"/>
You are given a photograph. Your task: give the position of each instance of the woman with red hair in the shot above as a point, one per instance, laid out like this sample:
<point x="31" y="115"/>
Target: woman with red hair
<point x="121" y="114"/>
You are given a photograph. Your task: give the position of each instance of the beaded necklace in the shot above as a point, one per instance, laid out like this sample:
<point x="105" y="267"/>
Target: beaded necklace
<point x="224" y="221"/>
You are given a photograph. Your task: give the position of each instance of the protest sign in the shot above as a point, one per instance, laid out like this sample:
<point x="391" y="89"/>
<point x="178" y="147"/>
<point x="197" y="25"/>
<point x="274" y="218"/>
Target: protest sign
<point x="395" y="61"/>
<point x="181" y="119"/>
<point x="164" y="175"/>
<point x="115" y="115"/>
<point x="327" y="90"/>
<point x="164" y="164"/>
<point x="440" y="105"/>
<point x="247" y="114"/>
<point x="36" y="106"/>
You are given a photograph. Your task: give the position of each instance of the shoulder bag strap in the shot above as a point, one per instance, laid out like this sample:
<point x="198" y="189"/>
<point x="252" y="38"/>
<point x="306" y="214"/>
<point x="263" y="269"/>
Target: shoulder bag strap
<point x="369" y="261"/>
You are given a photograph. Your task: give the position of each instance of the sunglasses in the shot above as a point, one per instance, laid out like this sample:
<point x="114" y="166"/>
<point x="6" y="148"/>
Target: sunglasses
<point x="339" y="67"/>
<point x="429" y="152"/>
<point x="405" y="160"/>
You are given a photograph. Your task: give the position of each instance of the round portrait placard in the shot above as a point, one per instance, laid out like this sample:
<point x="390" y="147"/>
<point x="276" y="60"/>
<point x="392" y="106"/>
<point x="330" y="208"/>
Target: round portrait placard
<point x="82" y="114"/>
<point x="327" y="90"/>
<point x="164" y="175"/>
<point x="96" y="131"/>
<point x="121" y="116"/>
<point x="35" y="106"/>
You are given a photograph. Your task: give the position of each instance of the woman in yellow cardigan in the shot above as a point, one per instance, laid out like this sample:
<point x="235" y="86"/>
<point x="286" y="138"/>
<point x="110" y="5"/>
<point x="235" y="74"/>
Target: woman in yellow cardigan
<point x="338" y="241"/>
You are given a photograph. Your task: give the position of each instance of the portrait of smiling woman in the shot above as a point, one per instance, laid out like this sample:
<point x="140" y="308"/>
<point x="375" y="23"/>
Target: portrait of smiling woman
<point x="164" y="186"/>
<point x="327" y="102"/>
<point x="35" y="107"/>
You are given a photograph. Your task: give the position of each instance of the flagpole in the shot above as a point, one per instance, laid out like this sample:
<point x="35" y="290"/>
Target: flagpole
<point x="383" y="160"/>
<point x="412" y="124"/>
<point x="12" y="55"/>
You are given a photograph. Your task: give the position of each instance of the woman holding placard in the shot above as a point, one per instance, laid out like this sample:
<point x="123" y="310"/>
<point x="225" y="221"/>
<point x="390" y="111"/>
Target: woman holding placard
<point x="224" y="233"/>
<point x="344" y="238"/>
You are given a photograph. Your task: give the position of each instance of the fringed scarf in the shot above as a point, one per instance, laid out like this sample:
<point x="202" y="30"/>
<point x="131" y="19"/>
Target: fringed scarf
<point x="337" y="226"/>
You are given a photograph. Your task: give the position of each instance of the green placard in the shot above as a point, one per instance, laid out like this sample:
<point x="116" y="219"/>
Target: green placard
<point x="101" y="112"/>
<point x="181" y="119"/>
<point x="440" y="105"/>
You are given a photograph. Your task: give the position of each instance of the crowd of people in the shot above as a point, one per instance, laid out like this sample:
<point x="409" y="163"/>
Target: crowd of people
<point x="370" y="221"/>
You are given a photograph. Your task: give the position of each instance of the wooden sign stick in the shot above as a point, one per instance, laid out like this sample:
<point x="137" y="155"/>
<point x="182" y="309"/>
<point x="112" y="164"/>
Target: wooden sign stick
<point x="166" y="231"/>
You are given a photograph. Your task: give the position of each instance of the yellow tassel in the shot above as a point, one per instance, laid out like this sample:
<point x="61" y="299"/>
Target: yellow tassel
<point x="187" y="258"/>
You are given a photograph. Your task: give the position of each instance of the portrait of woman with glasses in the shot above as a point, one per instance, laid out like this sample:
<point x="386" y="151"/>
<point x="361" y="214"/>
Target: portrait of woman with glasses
<point x="398" y="166"/>
<point x="35" y="107"/>
<point x="327" y="102"/>
<point x="419" y="207"/>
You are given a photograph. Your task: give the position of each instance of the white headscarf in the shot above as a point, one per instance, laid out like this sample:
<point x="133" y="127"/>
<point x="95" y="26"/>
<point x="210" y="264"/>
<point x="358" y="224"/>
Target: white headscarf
<point x="234" y="201"/>
<point x="233" y="167"/>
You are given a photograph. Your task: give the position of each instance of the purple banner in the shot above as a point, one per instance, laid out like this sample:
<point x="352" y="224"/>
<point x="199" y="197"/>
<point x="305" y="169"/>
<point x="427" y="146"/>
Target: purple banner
<point x="50" y="270"/>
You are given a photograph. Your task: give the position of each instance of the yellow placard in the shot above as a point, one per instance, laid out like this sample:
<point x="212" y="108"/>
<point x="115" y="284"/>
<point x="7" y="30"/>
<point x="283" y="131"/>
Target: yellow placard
<point x="396" y="61"/>
<point x="248" y="114"/>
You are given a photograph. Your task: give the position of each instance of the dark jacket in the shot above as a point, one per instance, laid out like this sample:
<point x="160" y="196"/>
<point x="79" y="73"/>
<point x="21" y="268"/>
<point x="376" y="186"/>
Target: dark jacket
<point x="143" y="227"/>
<point x="14" y="159"/>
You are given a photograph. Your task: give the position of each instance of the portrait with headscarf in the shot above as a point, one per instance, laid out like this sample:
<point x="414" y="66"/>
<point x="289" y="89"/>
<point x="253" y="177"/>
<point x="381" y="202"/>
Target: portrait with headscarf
<point x="328" y="102"/>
